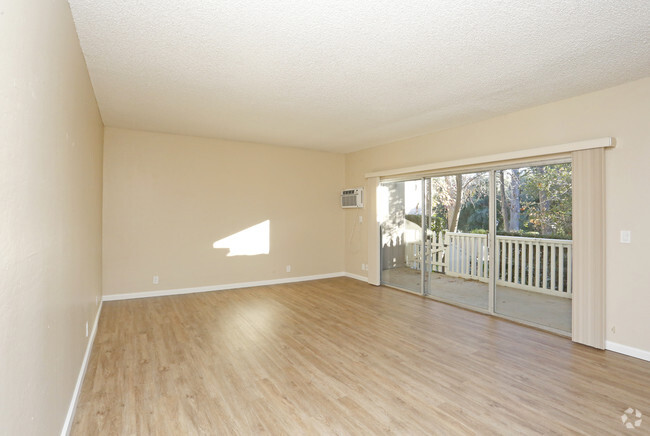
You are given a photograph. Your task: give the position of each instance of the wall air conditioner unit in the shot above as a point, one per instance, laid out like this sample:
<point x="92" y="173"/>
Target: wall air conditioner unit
<point x="352" y="198"/>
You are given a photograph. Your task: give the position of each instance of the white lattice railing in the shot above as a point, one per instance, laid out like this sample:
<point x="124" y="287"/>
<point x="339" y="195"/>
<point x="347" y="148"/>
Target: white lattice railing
<point x="437" y="247"/>
<point x="533" y="264"/>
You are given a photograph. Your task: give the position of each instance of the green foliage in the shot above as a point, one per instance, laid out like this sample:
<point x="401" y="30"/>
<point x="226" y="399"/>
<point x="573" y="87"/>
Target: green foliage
<point x="544" y="208"/>
<point x="548" y="204"/>
<point x="438" y="224"/>
<point x="439" y="217"/>
<point x="417" y="219"/>
<point x="475" y="214"/>
<point x="473" y="211"/>
<point x="545" y="199"/>
<point x="525" y="234"/>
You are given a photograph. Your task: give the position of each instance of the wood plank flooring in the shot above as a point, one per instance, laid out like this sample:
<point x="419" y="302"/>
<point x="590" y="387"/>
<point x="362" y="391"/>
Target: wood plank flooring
<point x="338" y="356"/>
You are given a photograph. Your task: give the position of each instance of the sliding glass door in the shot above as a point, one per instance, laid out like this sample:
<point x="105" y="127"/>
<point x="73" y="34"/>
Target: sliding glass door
<point x="401" y="235"/>
<point x="533" y="248"/>
<point x="498" y="241"/>
<point x="458" y="256"/>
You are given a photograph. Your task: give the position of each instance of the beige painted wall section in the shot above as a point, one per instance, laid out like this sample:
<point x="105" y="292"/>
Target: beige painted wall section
<point x="622" y="112"/>
<point x="50" y="221"/>
<point x="168" y="198"/>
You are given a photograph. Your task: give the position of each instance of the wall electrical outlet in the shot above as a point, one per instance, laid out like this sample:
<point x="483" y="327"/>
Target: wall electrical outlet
<point x="626" y="237"/>
<point x="288" y="268"/>
<point x="86" y="328"/>
<point x="361" y="218"/>
<point x="155" y="280"/>
<point x="96" y="300"/>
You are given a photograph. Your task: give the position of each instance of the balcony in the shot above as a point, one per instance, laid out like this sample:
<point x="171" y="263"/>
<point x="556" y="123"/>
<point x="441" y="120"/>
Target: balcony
<point x="533" y="275"/>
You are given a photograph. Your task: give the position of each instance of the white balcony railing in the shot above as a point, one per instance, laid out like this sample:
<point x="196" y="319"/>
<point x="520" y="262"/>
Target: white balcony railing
<point x="533" y="264"/>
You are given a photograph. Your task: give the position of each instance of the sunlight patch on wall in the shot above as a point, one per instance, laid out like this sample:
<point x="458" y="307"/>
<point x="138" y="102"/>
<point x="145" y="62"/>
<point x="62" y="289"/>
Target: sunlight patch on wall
<point x="249" y="242"/>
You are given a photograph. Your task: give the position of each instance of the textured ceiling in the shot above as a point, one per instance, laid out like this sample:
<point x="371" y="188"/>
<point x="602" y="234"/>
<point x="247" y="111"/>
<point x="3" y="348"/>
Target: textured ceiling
<point x="343" y="75"/>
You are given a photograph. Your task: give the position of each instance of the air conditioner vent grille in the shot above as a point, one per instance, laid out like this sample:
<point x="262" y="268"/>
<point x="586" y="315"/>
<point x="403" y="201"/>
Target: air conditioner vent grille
<point x="352" y="198"/>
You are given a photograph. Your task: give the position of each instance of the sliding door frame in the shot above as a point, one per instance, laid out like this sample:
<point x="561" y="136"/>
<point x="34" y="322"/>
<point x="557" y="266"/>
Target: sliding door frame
<point x="492" y="238"/>
<point x="492" y="232"/>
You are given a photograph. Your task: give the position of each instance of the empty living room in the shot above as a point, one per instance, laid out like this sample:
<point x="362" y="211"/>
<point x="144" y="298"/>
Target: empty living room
<point x="327" y="217"/>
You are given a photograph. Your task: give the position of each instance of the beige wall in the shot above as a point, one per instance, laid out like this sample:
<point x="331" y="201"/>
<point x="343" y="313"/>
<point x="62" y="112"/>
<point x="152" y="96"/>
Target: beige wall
<point x="50" y="215"/>
<point x="622" y="112"/>
<point x="168" y="198"/>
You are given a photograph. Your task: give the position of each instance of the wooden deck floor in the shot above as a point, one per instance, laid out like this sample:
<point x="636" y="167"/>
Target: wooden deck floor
<point x="339" y="356"/>
<point x="541" y="309"/>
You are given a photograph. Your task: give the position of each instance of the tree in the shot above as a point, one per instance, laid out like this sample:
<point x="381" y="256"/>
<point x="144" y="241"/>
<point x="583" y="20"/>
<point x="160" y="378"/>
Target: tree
<point x="453" y="192"/>
<point x="515" y="203"/>
<point x="549" y="202"/>
<point x="543" y="202"/>
<point x="509" y="191"/>
<point x="454" y="210"/>
<point x="504" y="205"/>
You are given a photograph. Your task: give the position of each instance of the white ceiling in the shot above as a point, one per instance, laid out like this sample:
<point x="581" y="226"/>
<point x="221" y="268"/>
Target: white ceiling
<point x="343" y="75"/>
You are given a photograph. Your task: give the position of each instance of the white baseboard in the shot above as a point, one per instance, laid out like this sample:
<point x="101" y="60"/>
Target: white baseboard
<point x="628" y="351"/>
<point x="166" y="292"/>
<point x="356" y="277"/>
<point x="80" y="378"/>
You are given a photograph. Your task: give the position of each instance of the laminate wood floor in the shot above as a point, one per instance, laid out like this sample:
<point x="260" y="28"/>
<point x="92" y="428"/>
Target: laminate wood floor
<point x="338" y="356"/>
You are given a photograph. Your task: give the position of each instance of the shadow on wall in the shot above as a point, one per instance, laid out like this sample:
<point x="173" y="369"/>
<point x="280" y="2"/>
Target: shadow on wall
<point x="252" y="241"/>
